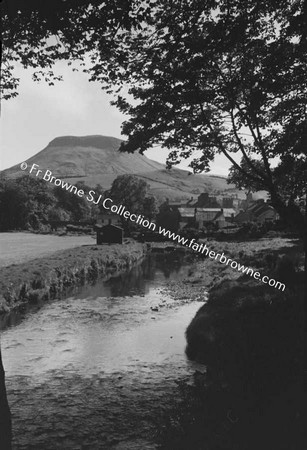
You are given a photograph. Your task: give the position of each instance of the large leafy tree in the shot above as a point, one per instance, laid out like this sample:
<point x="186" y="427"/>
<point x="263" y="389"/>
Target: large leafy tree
<point x="203" y="76"/>
<point x="229" y="77"/>
<point x="224" y="77"/>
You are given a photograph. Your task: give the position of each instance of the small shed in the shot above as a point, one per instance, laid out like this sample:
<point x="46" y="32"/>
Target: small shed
<point x="109" y="234"/>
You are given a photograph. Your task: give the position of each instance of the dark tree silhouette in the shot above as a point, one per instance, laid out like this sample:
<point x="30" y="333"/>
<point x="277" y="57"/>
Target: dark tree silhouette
<point x="36" y="34"/>
<point x="5" y="415"/>
<point x="132" y="192"/>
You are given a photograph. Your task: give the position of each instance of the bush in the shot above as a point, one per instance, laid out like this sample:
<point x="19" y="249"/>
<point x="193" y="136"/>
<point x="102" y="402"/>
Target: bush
<point x="285" y="271"/>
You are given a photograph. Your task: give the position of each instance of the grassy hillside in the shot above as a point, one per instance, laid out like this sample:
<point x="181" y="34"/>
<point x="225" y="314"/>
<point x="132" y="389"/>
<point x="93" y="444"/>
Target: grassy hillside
<point x="96" y="159"/>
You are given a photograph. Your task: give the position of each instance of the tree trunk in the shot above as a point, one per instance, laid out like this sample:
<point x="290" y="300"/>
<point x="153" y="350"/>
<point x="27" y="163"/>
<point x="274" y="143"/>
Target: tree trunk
<point x="5" y="415"/>
<point x="305" y="316"/>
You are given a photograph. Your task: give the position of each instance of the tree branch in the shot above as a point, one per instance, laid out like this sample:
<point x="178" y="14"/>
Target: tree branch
<point x="221" y="145"/>
<point x="264" y="156"/>
<point x="241" y="146"/>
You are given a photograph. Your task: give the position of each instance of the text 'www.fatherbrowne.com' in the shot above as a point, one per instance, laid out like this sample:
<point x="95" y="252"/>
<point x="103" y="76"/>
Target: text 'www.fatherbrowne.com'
<point x="202" y="248"/>
<point x="108" y="204"/>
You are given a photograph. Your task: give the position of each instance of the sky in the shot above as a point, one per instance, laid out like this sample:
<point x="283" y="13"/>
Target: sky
<point x="72" y="107"/>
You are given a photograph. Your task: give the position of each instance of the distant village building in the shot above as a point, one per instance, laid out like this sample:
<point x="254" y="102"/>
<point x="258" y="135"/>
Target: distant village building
<point x="247" y="202"/>
<point x="227" y="202"/>
<point x="258" y="212"/>
<point x="180" y="203"/>
<point x="105" y="218"/>
<point x="187" y="217"/>
<point x="218" y="216"/>
<point x="205" y="201"/>
<point x="108" y="229"/>
<point x="206" y="211"/>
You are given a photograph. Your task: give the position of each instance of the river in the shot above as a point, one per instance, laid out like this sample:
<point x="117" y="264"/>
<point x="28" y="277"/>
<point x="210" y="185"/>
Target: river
<point x="101" y="368"/>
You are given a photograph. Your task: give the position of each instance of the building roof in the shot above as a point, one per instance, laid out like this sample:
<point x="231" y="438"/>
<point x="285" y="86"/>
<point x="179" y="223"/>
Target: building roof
<point x="186" y="212"/>
<point x="110" y="226"/>
<point x="228" y="212"/>
<point x="107" y="214"/>
<point x="177" y="204"/>
<point x="208" y="209"/>
<point x="219" y="215"/>
<point x="259" y="208"/>
<point x="254" y="212"/>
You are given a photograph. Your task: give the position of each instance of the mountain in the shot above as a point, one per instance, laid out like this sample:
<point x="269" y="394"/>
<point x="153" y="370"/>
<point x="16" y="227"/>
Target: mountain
<point x="96" y="159"/>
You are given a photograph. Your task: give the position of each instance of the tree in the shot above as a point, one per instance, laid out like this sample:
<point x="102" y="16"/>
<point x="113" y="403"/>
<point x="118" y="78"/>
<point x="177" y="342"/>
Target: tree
<point x="132" y="192"/>
<point x="229" y="77"/>
<point x="207" y="77"/>
<point x="25" y="203"/>
<point x="36" y="34"/>
<point x="78" y="208"/>
<point x="12" y="206"/>
<point x="168" y="218"/>
<point x="150" y="207"/>
<point x="221" y="77"/>
<point x="5" y="415"/>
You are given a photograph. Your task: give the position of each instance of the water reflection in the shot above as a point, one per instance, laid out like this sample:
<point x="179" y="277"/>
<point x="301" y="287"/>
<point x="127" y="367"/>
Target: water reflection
<point x="119" y="324"/>
<point x="103" y="355"/>
<point x="151" y="271"/>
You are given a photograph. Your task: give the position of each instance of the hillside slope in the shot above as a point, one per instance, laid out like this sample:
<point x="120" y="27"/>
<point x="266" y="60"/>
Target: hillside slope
<point x="96" y="159"/>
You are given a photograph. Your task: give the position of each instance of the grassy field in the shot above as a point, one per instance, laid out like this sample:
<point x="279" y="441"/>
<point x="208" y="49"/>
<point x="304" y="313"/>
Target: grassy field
<point x="20" y="247"/>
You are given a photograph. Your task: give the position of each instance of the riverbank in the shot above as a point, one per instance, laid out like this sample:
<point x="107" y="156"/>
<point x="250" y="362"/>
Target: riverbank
<point x="46" y="278"/>
<point x="100" y="368"/>
<point x="248" y="335"/>
<point x="263" y="255"/>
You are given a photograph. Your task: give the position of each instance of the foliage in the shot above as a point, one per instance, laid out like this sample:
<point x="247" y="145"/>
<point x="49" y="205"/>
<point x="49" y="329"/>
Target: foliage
<point x="12" y="206"/>
<point x="132" y="192"/>
<point x="58" y="215"/>
<point x="30" y="203"/>
<point x="219" y="77"/>
<point x="243" y="181"/>
<point x="24" y="203"/>
<point x="35" y="34"/>
<point x="204" y="77"/>
<point x="150" y="207"/>
<point x="77" y="208"/>
<point x="168" y="218"/>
